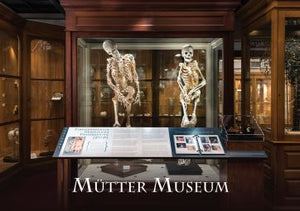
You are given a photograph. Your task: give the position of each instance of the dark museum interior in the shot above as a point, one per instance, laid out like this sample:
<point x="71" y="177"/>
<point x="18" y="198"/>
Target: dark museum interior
<point x="110" y="91"/>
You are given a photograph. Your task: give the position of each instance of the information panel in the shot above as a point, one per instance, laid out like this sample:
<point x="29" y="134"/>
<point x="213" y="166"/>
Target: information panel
<point x="113" y="142"/>
<point x="147" y="142"/>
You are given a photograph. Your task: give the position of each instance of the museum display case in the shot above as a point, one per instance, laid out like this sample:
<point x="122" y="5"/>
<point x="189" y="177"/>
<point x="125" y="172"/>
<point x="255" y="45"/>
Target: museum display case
<point x="157" y="66"/>
<point x="292" y="66"/>
<point x="241" y="128"/>
<point x="151" y="47"/>
<point x="10" y="94"/>
<point x="47" y="95"/>
<point x="43" y="96"/>
<point x="9" y="100"/>
<point x="270" y="41"/>
<point x="257" y="79"/>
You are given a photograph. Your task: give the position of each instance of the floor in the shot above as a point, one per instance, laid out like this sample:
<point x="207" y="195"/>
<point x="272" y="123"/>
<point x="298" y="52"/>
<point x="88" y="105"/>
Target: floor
<point x="30" y="190"/>
<point x="37" y="190"/>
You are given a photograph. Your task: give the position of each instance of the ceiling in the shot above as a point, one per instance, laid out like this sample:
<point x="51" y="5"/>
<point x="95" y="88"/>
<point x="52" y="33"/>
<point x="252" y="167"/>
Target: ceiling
<point x="49" y="11"/>
<point x="46" y="11"/>
<point x="34" y="6"/>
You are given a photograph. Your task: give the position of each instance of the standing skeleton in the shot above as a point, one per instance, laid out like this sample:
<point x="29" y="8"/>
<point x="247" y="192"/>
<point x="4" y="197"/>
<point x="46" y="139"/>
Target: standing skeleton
<point x="123" y="79"/>
<point x="188" y="79"/>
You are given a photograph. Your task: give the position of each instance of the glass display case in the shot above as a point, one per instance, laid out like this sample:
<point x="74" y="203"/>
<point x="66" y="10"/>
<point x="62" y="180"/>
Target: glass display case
<point x="271" y="42"/>
<point x="157" y="63"/>
<point x="241" y="128"/>
<point x="9" y="101"/>
<point x="47" y="95"/>
<point x="259" y="81"/>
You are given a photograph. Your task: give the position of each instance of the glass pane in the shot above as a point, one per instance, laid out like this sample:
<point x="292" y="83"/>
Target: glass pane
<point x="237" y="87"/>
<point x="107" y="77"/>
<point x="46" y="96"/>
<point x="44" y="136"/>
<point x="292" y="75"/>
<point x="9" y="101"/>
<point x="218" y="67"/>
<point x="47" y="59"/>
<point x="9" y="146"/>
<point x="156" y="63"/>
<point x="260" y="76"/>
<point x="9" y="54"/>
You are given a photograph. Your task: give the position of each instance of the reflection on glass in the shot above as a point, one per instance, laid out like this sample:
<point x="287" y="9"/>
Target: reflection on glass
<point x="260" y="76"/>
<point x="157" y="64"/>
<point x="292" y="75"/>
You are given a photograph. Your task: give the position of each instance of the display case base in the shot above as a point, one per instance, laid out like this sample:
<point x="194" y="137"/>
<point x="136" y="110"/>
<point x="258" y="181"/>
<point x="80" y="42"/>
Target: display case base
<point x="46" y="154"/>
<point x="175" y="169"/>
<point x="118" y="170"/>
<point x="10" y="159"/>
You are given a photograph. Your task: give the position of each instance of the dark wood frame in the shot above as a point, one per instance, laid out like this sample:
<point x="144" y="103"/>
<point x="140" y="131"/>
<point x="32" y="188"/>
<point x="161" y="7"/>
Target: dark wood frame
<point x="46" y="31"/>
<point x="273" y="12"/>
<point x="12" y="24"/>
<point x="136" y="19"/>
<point x="283" y="164"/>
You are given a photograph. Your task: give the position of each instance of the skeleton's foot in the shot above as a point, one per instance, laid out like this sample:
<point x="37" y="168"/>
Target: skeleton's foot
<point x="117" y="124"/>
<point x="128" y="125"/>
<point x="185" y="122"/>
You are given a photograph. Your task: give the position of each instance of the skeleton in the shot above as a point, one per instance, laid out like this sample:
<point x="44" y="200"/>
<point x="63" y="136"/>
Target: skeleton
<point x="190" y="81"/>
<point x="123" y="79"/>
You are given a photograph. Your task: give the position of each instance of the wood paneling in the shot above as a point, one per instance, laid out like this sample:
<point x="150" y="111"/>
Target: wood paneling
<point x="41" y="105"/>
<point x="293" y="188"/>
<point x="282" y="175"/>
<point x="293" y="160"/>
<point x="45" y="134"/>
<point x="244" y="145"/>
<point x="9" y="99"/>
<point x="245" y="182"/>
<point x="150" y="5"/>
<point x="292" y="174"/>
<point x="150" y="21"/>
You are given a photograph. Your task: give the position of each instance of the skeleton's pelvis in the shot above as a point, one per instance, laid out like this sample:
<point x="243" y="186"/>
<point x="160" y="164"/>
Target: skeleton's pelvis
<point x="128" y="92"/>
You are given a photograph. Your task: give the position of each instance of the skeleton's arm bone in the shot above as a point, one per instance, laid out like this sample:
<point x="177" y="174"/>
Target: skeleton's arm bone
<point x="109" y="81"/>
<point x="179" y="81"/>
<point x="135" y="76"/>
<point x="136" y="80"/>
<point x="200" y="85"/>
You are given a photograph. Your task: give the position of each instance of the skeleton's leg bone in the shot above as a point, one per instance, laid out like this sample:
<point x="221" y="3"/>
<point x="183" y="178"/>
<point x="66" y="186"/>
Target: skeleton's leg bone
<point x="128" y="111"/>
<point x="185" y="119"/>
<point x="115" y="102"/>
<point x="130" y="98"/>
<point x="194" y="116"/>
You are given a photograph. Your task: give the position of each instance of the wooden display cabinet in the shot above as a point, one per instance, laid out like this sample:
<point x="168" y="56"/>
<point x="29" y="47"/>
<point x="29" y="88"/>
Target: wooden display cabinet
<point x="10" y="93"/>
<point x="44" y="77"/>
<point x="273" y="26"/>
<point x="152" y="19"/>
<point x="31" y="72"/>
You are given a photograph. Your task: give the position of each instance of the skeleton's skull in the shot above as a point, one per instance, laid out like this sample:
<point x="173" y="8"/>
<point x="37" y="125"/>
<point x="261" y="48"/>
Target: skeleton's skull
<point x="187" y="53"/>
<point x="110" y="47"/>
